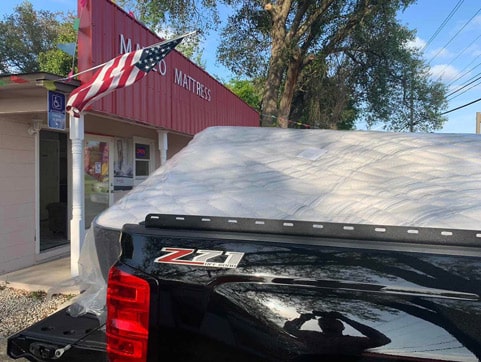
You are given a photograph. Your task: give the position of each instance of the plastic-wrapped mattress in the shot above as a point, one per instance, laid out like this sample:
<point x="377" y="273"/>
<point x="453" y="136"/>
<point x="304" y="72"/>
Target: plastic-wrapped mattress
<point x="431" y="180"/>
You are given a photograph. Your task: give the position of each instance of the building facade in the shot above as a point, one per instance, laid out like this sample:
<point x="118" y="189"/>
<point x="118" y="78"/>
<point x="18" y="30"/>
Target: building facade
<point x="128" y="134"/>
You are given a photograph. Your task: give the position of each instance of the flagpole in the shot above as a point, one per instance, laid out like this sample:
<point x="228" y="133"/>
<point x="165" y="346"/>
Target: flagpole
<point x="150" y="46"/>
<point x="172" y="39"/>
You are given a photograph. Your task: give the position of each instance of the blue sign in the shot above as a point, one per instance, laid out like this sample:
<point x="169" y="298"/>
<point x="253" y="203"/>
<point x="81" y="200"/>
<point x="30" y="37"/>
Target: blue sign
<point x="56" y="110"/>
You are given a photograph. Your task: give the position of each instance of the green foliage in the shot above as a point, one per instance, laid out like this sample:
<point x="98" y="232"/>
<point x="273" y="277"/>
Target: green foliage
<point x="189" y="47"/>
<point x="349" y="61"/>
<point x="324" y="100"/>
<point x="180" y="16"/>
<point x="57" y="61"/>
<point x="172" y="18"/>
<point x="24" y="35"/>
<point x="394" y="88"/>
<point x="247" y="91"/>
<point x="415" y="105"/>
<point x="246" y="52"/>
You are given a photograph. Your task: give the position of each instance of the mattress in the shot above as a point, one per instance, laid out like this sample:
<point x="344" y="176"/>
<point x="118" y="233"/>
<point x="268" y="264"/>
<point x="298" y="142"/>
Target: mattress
<point x="360" y="177"/>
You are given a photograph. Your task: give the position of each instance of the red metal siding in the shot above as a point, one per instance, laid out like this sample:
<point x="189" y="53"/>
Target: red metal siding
<point x="157" y="99"/>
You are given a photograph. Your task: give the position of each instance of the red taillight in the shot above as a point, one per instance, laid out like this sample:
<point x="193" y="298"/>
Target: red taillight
<point x="128" y="305"/>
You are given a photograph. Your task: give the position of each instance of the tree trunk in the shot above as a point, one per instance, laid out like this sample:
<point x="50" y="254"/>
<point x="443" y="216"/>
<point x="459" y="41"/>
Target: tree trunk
<point x="287" y="95"/>
<point x="270" y="99"/>
<point x="273" y="84"/>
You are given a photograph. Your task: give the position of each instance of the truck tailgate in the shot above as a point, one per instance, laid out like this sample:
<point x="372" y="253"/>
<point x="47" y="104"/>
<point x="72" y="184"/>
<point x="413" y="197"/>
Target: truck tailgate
<point x="60" y="337"/>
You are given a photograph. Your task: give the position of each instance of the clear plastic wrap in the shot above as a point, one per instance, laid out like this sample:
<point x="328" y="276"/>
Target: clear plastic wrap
<point x="92" y="299"/>
<point x="90" y="282"/>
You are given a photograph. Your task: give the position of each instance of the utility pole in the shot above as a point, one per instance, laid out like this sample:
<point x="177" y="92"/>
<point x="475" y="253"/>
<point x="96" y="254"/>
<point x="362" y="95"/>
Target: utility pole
<point x="478" y="122"/>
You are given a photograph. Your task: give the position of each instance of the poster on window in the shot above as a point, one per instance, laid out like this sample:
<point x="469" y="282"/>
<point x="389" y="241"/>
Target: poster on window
<point x="123" y="164"/>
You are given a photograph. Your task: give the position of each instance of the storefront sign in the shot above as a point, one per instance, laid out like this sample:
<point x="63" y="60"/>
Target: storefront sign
<point x="142" y="151"/>
<point x="192" y="85"/>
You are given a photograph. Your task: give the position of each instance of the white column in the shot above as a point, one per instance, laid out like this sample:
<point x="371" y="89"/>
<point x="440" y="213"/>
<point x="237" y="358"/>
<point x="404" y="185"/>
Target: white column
<point x="37" y="192"/>
<point x="77" y="223"/>
<point x="163" y="146"/>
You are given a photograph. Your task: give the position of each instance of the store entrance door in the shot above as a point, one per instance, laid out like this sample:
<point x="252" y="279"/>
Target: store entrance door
<point x="98" y="176"/>
<point x="53" y="211"/>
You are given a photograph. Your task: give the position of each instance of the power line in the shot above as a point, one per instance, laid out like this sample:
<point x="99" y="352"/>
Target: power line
<point x="460" y="107"/>
<point x="466" y="72"/>
<point x="476" y="78"/>
<point x="455" y="35"/>
<point x="473" y="81"/>
<point x="466" y="90"/>
<point x="468" y="87"/>
<point x="443" y="24"/>
<point x="457" y="56"/>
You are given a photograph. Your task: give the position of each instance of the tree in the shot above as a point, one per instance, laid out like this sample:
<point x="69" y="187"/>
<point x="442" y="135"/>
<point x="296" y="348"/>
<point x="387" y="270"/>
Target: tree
<point x="422" y="102"/>
<point x="353" y="49"/>
<point x="57" y="61"/>
<point x="391" y="81"/>
<point x="177" y="15"/>
<point x="372" y="77"/>
<point x="184" y="17"/>
<point x="247" y="91"/>
<point x="325" y="101"/>
<point x="24" y="35"/>
<point x="298" y="33"/>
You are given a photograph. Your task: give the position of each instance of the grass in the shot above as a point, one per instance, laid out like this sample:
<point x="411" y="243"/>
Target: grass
<point x="37" y="295"/>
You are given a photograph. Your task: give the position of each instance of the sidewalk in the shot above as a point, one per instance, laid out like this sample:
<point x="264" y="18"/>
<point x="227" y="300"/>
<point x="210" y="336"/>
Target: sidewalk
<point x="41" y="277"/>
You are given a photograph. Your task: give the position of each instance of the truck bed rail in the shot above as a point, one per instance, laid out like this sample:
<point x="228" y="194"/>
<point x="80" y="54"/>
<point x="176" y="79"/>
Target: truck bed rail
<point x="390" y="233"/>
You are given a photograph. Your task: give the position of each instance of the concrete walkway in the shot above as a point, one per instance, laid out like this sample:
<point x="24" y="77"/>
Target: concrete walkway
<point x="45" y="277"/>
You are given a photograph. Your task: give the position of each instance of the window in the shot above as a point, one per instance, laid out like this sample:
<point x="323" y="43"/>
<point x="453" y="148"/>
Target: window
<point x="143" y="159"/>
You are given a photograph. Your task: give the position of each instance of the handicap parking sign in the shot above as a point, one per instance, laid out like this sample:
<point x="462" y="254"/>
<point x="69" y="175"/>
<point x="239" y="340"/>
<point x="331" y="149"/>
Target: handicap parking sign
<point x="56" y="110"/>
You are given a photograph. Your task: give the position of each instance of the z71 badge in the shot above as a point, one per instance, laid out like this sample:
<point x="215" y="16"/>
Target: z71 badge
<point x="194" y="257"/>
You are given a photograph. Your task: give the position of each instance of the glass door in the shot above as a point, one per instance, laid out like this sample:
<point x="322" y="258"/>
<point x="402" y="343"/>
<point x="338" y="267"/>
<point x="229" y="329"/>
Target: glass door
<point x="98" y="178"/>
<point x="53" y="189"/>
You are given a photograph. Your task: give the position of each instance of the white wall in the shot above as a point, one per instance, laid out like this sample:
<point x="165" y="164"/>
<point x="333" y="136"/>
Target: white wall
<point x="17" y="196"/>
<point x="17" y="181"/>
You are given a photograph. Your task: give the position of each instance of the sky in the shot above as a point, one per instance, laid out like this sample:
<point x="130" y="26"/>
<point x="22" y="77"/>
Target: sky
<point x="448" y="31"/>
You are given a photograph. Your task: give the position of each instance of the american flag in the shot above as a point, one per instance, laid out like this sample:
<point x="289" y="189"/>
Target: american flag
<point x="119" y="72"/>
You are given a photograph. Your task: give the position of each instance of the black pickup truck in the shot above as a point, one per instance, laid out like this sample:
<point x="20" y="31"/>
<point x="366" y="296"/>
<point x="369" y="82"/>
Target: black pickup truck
<point x="200" y="288"/>
<point x="314" y="245"/>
